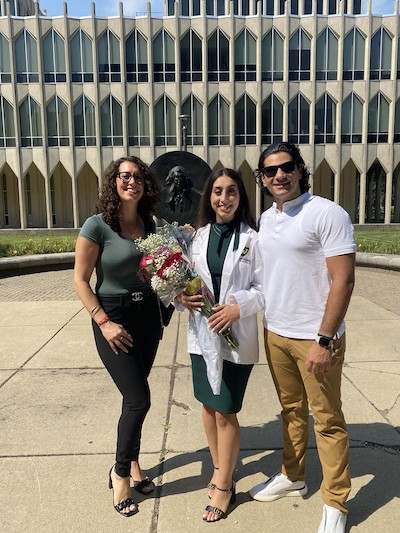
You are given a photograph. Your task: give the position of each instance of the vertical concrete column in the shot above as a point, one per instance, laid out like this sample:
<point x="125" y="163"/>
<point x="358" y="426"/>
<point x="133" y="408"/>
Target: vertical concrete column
<point x="388" y="196"/>
<point x="338" y="132"/>
<point x="150" y="84"/>
<point x="124" y="103"/>
<point x="232" y="156"/>
<point x="177" y="28"/>
<point x="361" y="209"/>
<point x="205" y="80"/>
<point x="365" y="120"/>
<point x="44" y="150"/>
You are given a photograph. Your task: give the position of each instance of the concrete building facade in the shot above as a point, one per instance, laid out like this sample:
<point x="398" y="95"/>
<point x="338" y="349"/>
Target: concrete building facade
<point x="77" y="93"/>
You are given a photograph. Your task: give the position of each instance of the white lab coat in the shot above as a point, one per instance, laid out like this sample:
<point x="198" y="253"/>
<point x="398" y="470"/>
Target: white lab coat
<point x="242" y="283"/>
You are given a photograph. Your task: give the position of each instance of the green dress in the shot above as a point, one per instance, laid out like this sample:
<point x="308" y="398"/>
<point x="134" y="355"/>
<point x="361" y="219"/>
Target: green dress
<point x="234" y="376"/>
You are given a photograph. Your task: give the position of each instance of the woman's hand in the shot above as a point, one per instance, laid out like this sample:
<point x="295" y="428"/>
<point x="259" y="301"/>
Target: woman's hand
<point x="224" y="316"/>
<point x="116" y="336"/>
<point x="193" y="303"/>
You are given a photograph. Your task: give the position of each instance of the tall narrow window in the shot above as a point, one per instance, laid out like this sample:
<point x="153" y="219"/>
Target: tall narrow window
<point x="165" y="122"/>
<point x="381" y="55"/>
<point x="84" y="122"/>
<point x="294" y="7"/>
<point x="245" y="57"/>
<point x="398" y="58"/>
<point x="299" y="56"/>
<point x="54" y="58"/>
<point x="57" y="123"/>
<point x="53" y="200"/>
<point x="192" y="107"/>
<point x="215" y="7"/>
<point x="308" y="7"/>
<point x="353" y="55"/>
<point x="268" y="7"/>
<point x="272" y="57"/>
<point x="299" y="120"/>
<point x="26" y="58"/>
<point x="272" y="120"/>
<point x="137" y="68"/>
<point x="30" y="124"/>
<point x="325" y="120"/>
<point x="352" y="120"/>
<point x="111" y="122"/>
<point x="6" y="214"/>
<point x="138" y="122"/>
<point x="5" y="68"/>
<point x="218" y="57"/>
<point x="396" y="138"/>
<point x="218" y="121"/>
<point x="28" y="190"/>
<point x="327" y="51"/>
<point x="163" y="57"/>
<point x="109" y="60"/>
<point x="378" y="119"/>
<point x="241" y="7"/>
<point x="191" y="57"/>
<point x="7" y="131"/>
<point x="171" y="8"/>
<point x="81" y="58"/>
<point x="245" y="121"/>
<point x="190" y="8"/>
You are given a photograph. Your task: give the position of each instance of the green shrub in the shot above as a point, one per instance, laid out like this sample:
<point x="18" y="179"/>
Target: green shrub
<point x="14" y="246"/>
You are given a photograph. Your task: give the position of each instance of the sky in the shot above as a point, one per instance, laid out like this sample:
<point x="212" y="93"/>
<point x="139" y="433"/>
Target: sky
<point x="109" y="8"/>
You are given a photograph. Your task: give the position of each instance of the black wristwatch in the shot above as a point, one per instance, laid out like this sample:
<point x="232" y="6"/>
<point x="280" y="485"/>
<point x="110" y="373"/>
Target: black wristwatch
<point x="325" y="342"/>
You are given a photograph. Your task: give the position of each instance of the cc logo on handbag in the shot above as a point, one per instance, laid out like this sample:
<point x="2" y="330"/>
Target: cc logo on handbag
<point x="137" y="296"/>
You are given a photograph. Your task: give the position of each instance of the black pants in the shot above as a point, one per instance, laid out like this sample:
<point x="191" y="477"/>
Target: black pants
<point x="131" y="370"/>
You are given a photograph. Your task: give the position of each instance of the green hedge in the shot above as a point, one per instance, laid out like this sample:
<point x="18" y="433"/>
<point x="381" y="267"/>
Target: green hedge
<point x="383" y="242"/>
<point x="13" y="246"/>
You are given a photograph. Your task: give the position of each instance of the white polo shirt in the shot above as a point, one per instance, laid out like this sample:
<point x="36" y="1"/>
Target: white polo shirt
<point x="294" y="243"/>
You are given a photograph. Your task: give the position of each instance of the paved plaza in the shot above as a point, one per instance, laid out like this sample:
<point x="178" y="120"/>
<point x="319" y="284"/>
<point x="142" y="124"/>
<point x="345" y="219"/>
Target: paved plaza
<point x="59" y="408"/>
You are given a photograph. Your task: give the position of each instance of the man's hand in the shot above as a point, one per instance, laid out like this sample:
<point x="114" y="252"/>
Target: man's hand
<point x="319" y="359"/>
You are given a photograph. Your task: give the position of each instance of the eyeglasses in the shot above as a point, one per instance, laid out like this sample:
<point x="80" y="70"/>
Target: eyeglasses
<point x="125" y="177"/>
<point x="271" y="171"/>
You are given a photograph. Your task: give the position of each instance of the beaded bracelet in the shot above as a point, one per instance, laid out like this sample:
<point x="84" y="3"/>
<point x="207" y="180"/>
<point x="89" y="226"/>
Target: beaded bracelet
<point x="103" y="321"/>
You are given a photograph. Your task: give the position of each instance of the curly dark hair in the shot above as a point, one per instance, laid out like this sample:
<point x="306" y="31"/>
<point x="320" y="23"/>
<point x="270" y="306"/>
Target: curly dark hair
<point x="243" y="213"/>
<point x="292" y="150"/>
<point x="109" y="200"/>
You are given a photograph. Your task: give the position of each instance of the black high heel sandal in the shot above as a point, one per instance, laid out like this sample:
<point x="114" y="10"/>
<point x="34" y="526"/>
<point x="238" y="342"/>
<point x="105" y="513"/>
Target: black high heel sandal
<point x="146" y="486"/>
<point x="124" y="504"/>
<point x="212" y="486"/>
<point x="216" y="510"/>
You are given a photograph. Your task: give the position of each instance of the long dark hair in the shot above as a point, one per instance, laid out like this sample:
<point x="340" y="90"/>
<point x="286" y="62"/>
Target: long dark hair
<point x="109" y="200"/>
<point x="206" y="212"/>
<point x="297" y="158"/>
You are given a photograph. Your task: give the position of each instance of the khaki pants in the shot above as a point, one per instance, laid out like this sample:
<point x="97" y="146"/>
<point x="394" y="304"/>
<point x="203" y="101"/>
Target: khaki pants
<point x="299" y="390"/>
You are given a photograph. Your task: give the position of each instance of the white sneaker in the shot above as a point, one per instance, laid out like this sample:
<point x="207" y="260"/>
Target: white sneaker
<point x="278" y="486"/>
<point x="333" y="520"/>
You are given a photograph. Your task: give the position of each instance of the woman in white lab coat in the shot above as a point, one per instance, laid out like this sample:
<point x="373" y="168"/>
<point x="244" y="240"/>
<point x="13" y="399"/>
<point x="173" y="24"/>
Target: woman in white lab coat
<point x="225" y="255"/>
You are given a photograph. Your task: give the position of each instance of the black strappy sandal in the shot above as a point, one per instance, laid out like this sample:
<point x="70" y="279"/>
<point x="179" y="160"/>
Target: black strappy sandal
<point x="216" y="510"/>
<point x="212" y="486"/>
<point x="146" y="486"/>
<point x="119" y="507"/>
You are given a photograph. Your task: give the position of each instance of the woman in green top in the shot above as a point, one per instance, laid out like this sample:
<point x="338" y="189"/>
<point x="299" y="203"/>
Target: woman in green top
<point x="124" y="310"/>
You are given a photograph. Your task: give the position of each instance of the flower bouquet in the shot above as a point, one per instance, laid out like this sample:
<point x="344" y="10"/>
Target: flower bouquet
<point x="165" y="264"/>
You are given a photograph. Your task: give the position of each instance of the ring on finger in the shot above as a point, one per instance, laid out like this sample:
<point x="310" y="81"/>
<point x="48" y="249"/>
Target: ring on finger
<point x="121" y="338"/>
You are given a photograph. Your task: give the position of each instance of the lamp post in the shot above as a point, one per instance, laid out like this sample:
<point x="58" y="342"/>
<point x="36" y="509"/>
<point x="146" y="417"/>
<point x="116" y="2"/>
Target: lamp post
<point x="184" y="120"/>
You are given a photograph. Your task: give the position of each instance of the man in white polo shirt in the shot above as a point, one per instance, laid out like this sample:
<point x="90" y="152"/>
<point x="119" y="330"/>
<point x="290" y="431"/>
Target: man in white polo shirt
<point x="308" y="249"/>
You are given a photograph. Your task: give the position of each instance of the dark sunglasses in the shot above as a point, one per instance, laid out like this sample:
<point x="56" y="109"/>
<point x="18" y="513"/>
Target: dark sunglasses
<point x="287" y="168"/>
<point x="125" y="177"/>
